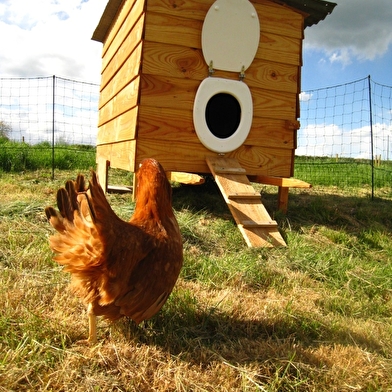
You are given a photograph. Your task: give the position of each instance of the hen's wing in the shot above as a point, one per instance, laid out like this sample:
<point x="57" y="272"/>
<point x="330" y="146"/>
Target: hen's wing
<point x="98" y="248"/>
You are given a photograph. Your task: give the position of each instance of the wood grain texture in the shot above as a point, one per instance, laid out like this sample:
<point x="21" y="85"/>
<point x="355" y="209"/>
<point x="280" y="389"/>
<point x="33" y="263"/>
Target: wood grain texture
<point x="168" y="92"/>
<point x="119" y="129"/>
<point x="279" y="19"/>
<point x="181" y="62"/>
<point x="179" y="94"/>
<point x="126" y="18"/>
<point x="126" y="74"/>
<point x="275" y="76"/>
<point x="125" y="100"/>
<point x="174" y="30"/>
<point x="120" y="155"/>
<point x="175" y="124"/>
<point x="173" y="61"/>
<point x="274" y="104"/>
<point x="280" y="49"/>
<point x="169" y="124"/>
<point x="124" y="55"/>
<point x="186" y="157"/>
<point x="189" y="9"/>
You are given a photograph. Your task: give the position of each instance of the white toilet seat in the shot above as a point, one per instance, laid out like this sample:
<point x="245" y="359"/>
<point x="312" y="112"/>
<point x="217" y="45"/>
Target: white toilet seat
<point x="230" y="35"/>
<point x="209" y="88"/>
<point x="230" y="39"/>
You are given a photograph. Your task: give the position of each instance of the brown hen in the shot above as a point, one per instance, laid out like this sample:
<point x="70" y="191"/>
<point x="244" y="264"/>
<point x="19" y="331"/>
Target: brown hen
<point x="118" y="268"/>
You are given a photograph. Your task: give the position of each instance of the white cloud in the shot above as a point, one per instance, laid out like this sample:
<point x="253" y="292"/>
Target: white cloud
<point x="342" y="56"/>
<point x="45" y="37"/>
<point x="305" y="97"/>
<point x="356" y="30"/>
<point x="330" y="140"/>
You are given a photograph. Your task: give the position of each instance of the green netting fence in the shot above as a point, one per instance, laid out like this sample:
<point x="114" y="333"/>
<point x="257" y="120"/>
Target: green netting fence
<point x="345" y="139"/>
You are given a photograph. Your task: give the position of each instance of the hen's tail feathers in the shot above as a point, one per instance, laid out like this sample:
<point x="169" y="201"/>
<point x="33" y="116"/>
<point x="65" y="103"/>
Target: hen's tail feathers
<point x="55" y="219"/>
<point x="99" y="206"/>
<point x="90" y="204"/>
<point x="68" y="202"/>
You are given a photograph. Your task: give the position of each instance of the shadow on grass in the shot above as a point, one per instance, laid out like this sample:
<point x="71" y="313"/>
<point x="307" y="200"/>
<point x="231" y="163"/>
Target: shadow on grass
<point x="204" y="336"/>
<point x="351" y="214"/>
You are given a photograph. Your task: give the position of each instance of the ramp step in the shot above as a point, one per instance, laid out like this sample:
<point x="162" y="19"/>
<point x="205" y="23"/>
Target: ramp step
<point x="251" y="223"/>
<point x="229" y="170"/>
<point x="244" y="195"/>
<point x="253" y="220"/>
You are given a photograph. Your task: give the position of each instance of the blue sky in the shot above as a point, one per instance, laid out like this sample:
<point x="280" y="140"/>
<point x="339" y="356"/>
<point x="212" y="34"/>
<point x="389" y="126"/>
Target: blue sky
<point x="351" y="43"/>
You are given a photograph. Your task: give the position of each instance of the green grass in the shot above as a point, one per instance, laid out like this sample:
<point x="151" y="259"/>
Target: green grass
<point x="16" y="156"/>
<point x="346" y="173"/>
<point x="314" y="316"/>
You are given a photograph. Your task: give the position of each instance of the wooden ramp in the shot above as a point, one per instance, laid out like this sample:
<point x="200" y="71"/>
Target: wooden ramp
<point x="253" y="220"/>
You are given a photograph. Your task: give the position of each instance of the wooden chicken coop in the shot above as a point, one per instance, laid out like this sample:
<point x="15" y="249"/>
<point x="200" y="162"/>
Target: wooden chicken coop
<point x="169" y="65"/>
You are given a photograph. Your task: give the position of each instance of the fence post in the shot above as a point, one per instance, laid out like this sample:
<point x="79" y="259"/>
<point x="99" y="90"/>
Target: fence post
<point x="371" y="132"/>
<point x="53" y="120"/>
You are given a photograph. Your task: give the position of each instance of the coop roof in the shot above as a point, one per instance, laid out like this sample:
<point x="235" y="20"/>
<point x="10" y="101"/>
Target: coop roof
<point x="315" y="10"/>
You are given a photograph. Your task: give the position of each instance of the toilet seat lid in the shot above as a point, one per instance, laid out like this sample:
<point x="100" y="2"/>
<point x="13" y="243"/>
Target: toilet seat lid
<point x="230" y="35"/>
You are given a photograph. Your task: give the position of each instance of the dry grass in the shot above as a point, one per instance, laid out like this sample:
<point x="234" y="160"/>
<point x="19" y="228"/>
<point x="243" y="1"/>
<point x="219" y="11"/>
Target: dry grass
<point x="315" y="316"/>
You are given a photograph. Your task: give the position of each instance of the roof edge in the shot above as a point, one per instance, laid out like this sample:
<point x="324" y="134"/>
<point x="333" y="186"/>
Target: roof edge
<point x="316" y="10"/>
<point x="107" y="19"/>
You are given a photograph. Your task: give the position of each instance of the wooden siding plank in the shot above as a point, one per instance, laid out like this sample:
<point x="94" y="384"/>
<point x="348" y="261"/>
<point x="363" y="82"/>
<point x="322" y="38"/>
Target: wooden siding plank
<point x="120" y="128"/>
<point x="189" y="9"/>
<point x="125" y="75"/>
<point x="188" y="157"/>
<point x="126" y="99"/>
<point x="173" y="30"/>
<point x="166" y="124"/>
<point x="181" y="62"/>
<point x="274" y="104"/>
<point x="273" y="17"/>
<point x="174" y="124"/>
<point x="168" y="92"/>
<point x="124" y="54"/>
<point x="280" y="49"/>
<point x="116" y="25"/>
<point x="273" y="76"/>
<point x="120" y="155"/>
<point x="127" y="18"/>
<point x="264" y="160"/>
<point x="180" y="93"/>
<point x="167" y="29"/>
<point x="281" y="20"/>
<point x="274" y="133"/>
<point x="173" y="61"/>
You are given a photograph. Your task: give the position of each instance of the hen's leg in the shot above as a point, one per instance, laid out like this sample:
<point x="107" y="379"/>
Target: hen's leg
<point x="92" y="325"/>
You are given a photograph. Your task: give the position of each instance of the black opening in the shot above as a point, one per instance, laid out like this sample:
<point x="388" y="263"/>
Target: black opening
<point x="223" y="115"/>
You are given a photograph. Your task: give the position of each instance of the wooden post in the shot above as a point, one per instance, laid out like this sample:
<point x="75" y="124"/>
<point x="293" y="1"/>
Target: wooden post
<point x="102" y="173"/>
<point x="283" y="198"/>
<point x="283" y="185"/>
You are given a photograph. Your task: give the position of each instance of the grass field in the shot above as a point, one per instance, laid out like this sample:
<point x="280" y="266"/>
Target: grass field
<point x="315" y="316"/>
